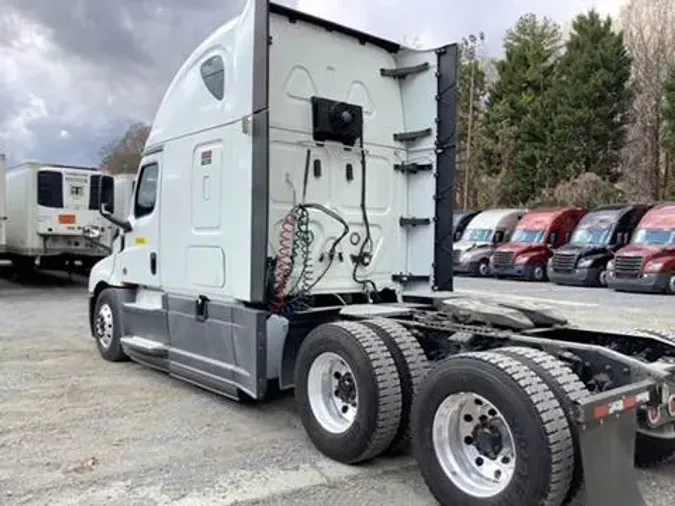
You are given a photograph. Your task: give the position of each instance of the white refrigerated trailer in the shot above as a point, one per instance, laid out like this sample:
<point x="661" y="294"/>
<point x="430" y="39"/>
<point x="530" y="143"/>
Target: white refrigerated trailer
<point x="48" y="208"/>
<point x="292" y="227"/>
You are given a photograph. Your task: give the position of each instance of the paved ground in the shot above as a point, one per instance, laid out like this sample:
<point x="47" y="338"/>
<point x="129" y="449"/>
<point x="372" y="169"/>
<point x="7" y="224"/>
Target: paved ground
<point x="75" y="430"/>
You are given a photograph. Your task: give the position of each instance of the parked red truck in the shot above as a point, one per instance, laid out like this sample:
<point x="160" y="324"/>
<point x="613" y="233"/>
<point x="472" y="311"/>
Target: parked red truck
<point x="647" y="264"/>
<point x="535" y="238"/>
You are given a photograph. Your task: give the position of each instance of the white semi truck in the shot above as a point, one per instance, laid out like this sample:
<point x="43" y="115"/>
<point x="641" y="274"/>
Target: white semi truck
<point x="292" y="227"/>
<point x="48" y="208"/>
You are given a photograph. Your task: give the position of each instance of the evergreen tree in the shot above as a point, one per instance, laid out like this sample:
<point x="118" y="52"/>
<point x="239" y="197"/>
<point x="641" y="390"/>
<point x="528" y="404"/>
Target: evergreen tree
<point x="516" y="118"/>
<point x="590" y="101"/>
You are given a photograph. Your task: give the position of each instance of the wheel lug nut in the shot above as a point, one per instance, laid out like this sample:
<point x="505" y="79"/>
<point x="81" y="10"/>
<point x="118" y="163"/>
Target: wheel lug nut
<point x="505" y="460"/>
<point x="337" y="375"/>
<point x="345" y="409"/>
<point x="492" y="412"/>
<point x="468" y="440"/>
<point x="479" y="461"/>
<point x="468" y="418"/>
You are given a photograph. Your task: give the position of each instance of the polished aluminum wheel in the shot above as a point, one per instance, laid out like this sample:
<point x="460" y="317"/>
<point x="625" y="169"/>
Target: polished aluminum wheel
<point x="104" y="325"/>
<point x="474" y="445"/>
<point x="332" y="392"/>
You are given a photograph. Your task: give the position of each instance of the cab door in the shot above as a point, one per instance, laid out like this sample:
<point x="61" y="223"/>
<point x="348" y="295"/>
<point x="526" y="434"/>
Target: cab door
<point x="138" y="260"/>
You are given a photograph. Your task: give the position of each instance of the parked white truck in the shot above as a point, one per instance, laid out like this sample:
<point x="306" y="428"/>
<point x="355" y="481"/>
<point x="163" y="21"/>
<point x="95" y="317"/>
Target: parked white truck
<point x="484" y="233"/>
<point x="292" y="227"/>
<point x="48" y="208"/>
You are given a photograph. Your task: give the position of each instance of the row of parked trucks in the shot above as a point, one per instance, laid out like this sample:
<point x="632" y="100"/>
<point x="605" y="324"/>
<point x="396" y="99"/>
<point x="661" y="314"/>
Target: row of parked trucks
<point x="626" y="247"/>
<point x="46" y="210"/>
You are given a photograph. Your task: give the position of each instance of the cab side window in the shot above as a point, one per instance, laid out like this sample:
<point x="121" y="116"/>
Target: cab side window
<point x="213" y="75"/>
<point x="146" y="196"/>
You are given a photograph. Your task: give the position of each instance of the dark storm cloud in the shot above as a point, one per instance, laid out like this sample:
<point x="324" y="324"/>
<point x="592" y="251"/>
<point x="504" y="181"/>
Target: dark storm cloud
<point x="112" y="32"/>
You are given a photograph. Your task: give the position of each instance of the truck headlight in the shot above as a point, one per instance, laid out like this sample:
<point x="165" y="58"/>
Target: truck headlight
<point x="585" y="263"/>
<point x="652" y="267"/>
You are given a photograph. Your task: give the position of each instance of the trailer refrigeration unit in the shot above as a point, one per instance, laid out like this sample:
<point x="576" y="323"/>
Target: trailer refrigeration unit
<point x="292" y="228"/>
<point x="599" y="234"/>
<point x="49" y="206"/>
<point x="482" y="236"/>
<point x="647" y="264"/>
<point x="533" y="242"/>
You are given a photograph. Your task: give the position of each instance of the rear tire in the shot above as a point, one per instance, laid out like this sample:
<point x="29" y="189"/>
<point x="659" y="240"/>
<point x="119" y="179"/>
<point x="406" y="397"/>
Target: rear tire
<point x="568" y="389"/>
<point x="412" y="366"/>
<point x="348" y="392"/>
<point x="652" y="451"/>
<point x="539" y="471"/>
<point x="107" y="326"/>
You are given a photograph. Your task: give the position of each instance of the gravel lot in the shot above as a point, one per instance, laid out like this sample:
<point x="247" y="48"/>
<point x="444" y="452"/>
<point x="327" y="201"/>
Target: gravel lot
<point x="75" y="430"/>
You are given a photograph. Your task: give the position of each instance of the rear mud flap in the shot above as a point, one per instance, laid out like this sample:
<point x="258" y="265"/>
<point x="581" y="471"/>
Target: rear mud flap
<point x="607" y="427"/>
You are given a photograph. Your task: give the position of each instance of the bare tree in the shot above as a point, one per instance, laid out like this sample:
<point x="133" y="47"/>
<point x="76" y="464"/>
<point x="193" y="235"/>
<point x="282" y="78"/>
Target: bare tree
<point x="123" y="155"/>
<point x="649" y="30"/>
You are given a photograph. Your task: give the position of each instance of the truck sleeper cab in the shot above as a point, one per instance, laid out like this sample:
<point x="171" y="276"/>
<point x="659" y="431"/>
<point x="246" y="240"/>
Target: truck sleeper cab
<point x="460" y="220"/>
<point x="537" y="234"/>
<point x="647" y="264"/>
<point x="482" y="236"/>
<point x="600" y="233"/>
<point x="337" y="165"/>
<point x="49" y="207"/>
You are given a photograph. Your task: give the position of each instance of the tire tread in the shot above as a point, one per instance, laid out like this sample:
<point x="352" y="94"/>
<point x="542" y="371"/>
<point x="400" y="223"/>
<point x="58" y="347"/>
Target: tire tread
<point x="415" y="369"/>
<point x="388" y="387"/>
<point x="553" y="419"/>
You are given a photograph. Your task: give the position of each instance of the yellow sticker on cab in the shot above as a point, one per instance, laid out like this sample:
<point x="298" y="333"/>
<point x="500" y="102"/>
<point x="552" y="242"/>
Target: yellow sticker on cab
<point x="141" y="241"/>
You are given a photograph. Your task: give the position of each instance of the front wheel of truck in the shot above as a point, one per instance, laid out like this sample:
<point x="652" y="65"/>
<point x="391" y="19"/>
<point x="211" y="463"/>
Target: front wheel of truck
<point x="348" y="392"/>
<point x="107" y="328"/>
<point x="488" y="431"/>
<point x="539" y="272"/>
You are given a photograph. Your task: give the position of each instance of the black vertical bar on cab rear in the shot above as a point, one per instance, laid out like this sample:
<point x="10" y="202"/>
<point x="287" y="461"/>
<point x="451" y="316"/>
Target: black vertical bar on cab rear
<point x="446" y="154"/>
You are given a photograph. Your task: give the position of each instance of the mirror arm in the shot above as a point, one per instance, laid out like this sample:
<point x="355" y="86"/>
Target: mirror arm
<point x="124" y="225"/>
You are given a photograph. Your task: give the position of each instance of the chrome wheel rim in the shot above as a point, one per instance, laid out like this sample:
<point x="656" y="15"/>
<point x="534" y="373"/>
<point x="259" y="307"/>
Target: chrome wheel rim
<point x="483" y="268"/>
<point x="603" y="278"/>
<point x="333" y="392"/>
<point x="104" y="325"/>
<point x="474" y="445"/>
<point x="671" y="284"/>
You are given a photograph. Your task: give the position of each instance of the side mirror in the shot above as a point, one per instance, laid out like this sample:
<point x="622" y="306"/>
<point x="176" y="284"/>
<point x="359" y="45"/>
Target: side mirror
<point x="457" y="236"/>
<point x="552" y="239"/>
<point x="124" y="225"/>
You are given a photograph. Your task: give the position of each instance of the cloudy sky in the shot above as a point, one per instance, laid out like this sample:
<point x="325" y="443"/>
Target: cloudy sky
<point x="75" y="73"/>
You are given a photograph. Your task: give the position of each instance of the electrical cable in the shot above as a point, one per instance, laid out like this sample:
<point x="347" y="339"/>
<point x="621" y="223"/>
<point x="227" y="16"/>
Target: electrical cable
<point x="368" y="241"/>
